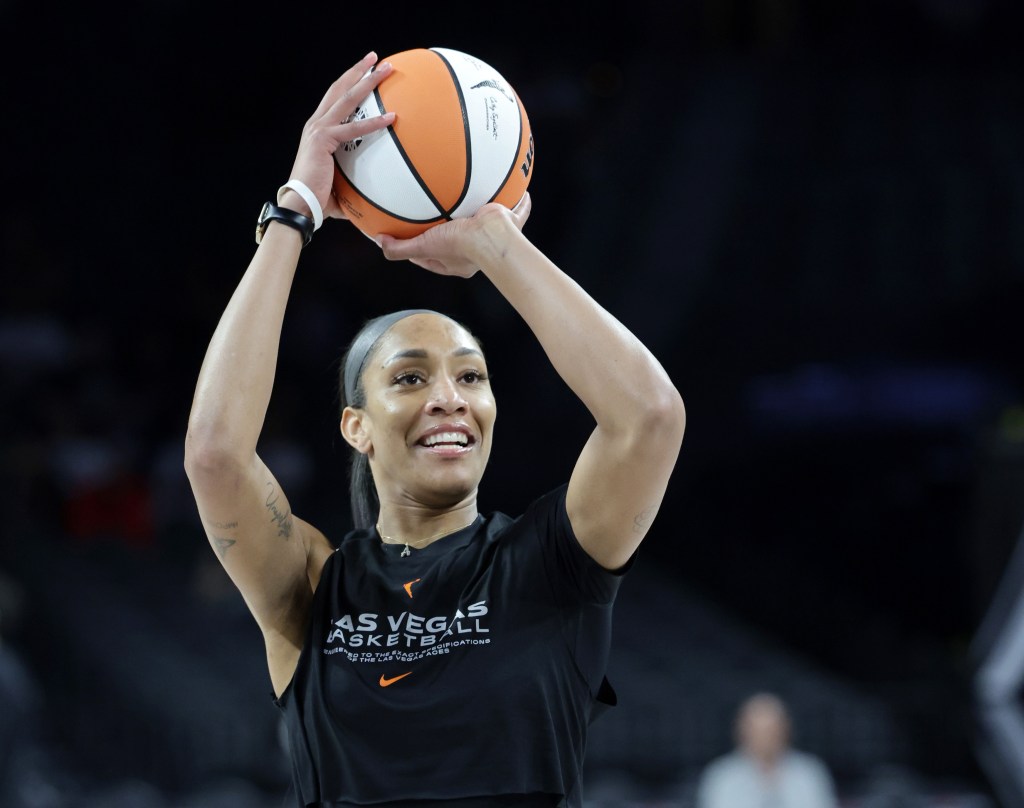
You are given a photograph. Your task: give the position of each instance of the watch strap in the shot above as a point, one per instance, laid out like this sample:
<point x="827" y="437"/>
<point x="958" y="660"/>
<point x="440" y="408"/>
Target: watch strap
<point x="273" y="213"/>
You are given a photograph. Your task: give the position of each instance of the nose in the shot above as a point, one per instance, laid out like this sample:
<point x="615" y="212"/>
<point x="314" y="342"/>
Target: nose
<point x="445" y="396"/>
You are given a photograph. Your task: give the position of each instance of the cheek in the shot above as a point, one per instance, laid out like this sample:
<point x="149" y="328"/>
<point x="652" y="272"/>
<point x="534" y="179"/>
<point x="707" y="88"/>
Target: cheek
<point x="392" y="414"/>
<point x="486" y="411"/>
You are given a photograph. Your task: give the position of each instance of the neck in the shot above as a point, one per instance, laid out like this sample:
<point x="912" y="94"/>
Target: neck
<point x="767" y="763"/>
<point x="420" y="528"/>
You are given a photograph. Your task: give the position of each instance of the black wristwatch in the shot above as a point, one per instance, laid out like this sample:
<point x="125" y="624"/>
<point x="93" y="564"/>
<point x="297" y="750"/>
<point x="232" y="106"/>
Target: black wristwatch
<point x="272" y="213"/>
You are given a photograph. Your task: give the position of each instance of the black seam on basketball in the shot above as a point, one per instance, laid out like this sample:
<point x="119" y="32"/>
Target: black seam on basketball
<point x="515" y="156"/>
<point x="466" y="135"/>
<point x="439" y="218"/>
<point x="412" y="169"/>
<point x="441" y="215"/>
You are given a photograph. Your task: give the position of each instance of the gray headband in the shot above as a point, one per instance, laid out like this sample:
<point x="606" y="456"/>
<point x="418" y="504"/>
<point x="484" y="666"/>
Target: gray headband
<point x="364" y="343"/>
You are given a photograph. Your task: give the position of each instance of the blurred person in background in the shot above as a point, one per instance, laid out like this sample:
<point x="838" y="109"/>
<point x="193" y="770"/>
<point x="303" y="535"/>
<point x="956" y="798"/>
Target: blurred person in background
<point x="765" y="771"/>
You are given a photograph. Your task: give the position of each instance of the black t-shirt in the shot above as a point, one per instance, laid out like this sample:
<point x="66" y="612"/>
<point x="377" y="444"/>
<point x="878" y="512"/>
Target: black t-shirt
<point x="470" y="668"/>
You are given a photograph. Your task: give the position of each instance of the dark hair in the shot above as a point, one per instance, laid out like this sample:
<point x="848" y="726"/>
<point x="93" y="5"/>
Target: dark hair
<point x="363" y="497"/>
<point x="362" y="491"/>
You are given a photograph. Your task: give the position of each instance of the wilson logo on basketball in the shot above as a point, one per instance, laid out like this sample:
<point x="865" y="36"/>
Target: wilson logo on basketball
<point x="528" y="162"/>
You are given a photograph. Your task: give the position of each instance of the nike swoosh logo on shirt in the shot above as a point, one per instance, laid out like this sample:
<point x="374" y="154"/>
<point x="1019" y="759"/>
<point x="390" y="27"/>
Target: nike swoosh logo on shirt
<point x="388" y="682"/>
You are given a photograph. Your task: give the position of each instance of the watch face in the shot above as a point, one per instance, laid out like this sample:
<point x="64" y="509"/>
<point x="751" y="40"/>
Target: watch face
<point x="271" y="212"/>
<point x="261" y="222"/>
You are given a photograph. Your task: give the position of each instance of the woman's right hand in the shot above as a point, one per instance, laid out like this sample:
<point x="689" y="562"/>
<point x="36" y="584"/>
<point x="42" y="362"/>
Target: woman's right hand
<point x="461" y="246"/>
<point x="329" y="127"/>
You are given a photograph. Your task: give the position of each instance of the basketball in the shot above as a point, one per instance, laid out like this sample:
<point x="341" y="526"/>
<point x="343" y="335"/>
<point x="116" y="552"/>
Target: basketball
<point x="461" y="139"/>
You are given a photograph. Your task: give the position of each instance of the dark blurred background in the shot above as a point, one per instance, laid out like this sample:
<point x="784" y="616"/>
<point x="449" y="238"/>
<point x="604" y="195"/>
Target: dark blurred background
<point x="810" y="212"/>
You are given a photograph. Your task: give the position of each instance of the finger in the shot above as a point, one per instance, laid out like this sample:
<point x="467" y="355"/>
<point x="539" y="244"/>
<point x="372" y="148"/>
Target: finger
<point x="344" y="132"/>
<point x="438" y="267"/>
<point x="345" y="104"/>
<point x="441" y="268"/>
<point x="345" y="81"/>
<point x="521" y="211"/>
<point x="404" y="249"/>
<point x="387" y="246"/>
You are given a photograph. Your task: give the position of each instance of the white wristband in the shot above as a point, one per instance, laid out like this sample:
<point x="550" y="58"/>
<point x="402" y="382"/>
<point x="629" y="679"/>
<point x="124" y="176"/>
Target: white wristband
<point x="308" y="196"/>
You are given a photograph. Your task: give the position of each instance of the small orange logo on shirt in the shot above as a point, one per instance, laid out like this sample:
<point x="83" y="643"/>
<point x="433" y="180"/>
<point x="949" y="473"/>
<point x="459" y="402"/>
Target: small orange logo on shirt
<point x="408" y="586"/>
<point x="384" y="682"/>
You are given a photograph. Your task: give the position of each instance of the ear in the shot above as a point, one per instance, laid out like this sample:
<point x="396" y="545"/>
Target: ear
<point x="354" y="430"/>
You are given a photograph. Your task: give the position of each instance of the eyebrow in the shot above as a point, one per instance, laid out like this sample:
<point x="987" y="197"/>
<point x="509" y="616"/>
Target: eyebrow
<point x="419" y="353"/>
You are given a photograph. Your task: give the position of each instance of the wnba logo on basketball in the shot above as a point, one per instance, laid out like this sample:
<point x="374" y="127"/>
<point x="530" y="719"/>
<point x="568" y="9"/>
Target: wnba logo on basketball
<point x="494" y="86"/>
<point x="358" y="115"/>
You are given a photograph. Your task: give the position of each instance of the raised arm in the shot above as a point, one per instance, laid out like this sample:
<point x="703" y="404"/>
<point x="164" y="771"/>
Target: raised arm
<point x="622" y="473"/>
<point x="273" y="557"/>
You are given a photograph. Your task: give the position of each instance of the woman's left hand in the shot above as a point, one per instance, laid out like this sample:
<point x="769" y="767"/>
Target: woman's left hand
<point x="457" y="247"/>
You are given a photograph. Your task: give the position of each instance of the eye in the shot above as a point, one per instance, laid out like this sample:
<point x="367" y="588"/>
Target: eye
<point x="408" y="378"/>
<point x="473" y="377"/>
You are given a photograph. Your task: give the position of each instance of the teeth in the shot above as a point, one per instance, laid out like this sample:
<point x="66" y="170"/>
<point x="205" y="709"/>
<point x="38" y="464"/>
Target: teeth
<point x="446" y="437"/>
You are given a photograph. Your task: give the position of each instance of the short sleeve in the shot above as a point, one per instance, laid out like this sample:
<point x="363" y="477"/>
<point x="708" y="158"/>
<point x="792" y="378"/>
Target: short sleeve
<point x="571" y="570"/>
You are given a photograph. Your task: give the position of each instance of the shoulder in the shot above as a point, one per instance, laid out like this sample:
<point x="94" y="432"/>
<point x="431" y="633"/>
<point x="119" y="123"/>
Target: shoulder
<point x="724" y="764"/>
<point x="568" y="567"/>
<point x="810" y="768"/>
<point x="356" y="545"/>
<point x="805" y="760"/>
<point x="720" y="779"/>
<point x="721" y="770"/>
<point x="547" y="505"/>
<point x="353" y="547"/>
<point x="541" y="516"/>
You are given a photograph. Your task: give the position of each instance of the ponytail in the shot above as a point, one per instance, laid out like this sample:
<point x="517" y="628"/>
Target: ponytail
<point x="362" y="492"/>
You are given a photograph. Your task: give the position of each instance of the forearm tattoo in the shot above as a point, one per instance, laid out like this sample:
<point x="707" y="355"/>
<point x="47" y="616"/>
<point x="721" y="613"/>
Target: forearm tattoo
<point x="283" y="519"/>
<point x="642" y="521"/>
<point x="221" y="545"/>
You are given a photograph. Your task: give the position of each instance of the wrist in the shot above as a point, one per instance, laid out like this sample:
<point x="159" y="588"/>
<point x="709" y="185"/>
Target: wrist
<point x="495" y="238"/>
<point x="293" y="201"/>
<point x="298" y="189"/>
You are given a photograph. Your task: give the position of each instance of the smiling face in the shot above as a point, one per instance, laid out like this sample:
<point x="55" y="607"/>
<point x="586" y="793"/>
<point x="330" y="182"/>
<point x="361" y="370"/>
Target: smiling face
<point x="427" y="422"/>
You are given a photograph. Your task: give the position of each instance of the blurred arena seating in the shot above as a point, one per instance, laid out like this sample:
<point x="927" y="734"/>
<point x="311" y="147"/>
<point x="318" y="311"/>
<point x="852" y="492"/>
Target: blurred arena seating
<point x="156" y="694"/>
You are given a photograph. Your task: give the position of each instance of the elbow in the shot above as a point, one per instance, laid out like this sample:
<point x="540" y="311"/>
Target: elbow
<point x="665" y="416"/>
<point x="208" y="458"/>
<point x="652" y="419"/>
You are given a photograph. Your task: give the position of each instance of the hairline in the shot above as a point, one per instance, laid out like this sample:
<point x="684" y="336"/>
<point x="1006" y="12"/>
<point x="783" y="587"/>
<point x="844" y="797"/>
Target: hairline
<point x="423" y="353"/>
<point x="372" y="349"/>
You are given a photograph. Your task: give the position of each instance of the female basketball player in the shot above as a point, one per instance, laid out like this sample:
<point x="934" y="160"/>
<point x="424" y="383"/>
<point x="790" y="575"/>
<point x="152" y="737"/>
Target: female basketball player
<point x="434" y="655"/>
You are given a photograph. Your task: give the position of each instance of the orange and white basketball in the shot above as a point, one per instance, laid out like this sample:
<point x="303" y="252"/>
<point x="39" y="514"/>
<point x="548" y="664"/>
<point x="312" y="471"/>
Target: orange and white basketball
<point x="461" y="139"/>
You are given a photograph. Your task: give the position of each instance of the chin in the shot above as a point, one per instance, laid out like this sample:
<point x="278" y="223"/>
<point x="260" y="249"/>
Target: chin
<point x="450" y="492"/>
